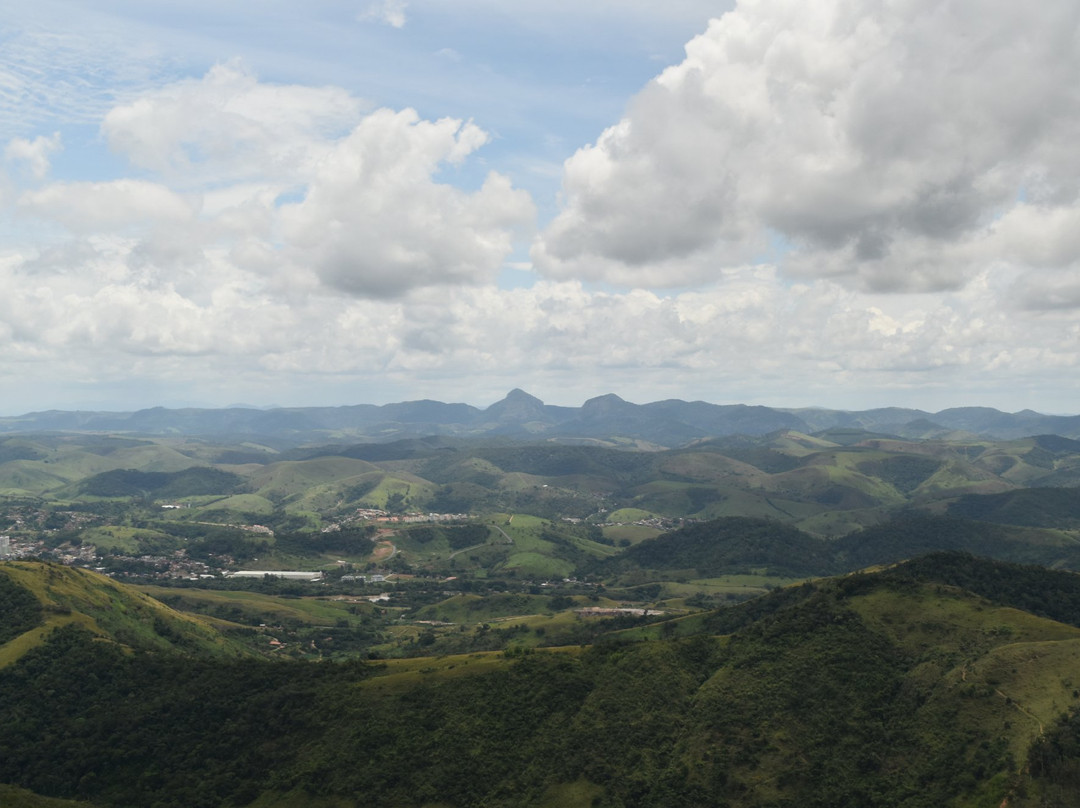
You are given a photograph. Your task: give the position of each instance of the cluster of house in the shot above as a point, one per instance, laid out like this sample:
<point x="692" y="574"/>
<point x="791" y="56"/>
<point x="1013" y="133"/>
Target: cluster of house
<point x="36" y="548"/>
<point x="661" y="523"/>
<point x="310" y="576"/>
<point x="48" y="521"/>
<point x="176" y="565"/>
<point x="377" y="515"/>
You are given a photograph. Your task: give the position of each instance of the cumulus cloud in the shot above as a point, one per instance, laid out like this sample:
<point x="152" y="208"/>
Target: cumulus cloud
<point x="296" y="186"/>
<point x="97" y="305"/>
<point x="880" y="140"/>
<point x="374" y="221"/>
<point x="280" y="237"/>
<point x="33" y="154"/>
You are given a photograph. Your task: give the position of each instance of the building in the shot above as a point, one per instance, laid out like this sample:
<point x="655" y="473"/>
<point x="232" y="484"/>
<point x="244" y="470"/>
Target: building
<point x="367" y="579"/>
<point x="288" y="575"/>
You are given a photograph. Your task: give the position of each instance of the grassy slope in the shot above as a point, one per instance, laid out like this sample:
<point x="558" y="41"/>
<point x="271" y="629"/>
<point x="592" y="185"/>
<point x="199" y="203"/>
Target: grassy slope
<point x="109" y="610"/>
<point x="1008" y="673"/>
<point x="253" y="606"/>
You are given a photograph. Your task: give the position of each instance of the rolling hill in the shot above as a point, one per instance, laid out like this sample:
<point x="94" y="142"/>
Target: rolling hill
<point x="41" y="598"/>
<point x="935" y="682"/>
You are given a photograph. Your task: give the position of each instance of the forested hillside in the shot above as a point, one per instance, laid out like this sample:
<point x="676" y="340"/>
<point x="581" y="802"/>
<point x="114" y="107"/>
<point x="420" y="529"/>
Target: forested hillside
<point x="901" y="688"/>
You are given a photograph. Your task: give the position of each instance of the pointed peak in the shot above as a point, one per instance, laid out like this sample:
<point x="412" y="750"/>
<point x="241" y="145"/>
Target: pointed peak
<point x="519" y="395"/>
<point x="517" y="406"/>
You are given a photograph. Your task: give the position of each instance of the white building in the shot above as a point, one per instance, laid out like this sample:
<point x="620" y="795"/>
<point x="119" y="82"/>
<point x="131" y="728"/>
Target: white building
<point x="288" y="575"/>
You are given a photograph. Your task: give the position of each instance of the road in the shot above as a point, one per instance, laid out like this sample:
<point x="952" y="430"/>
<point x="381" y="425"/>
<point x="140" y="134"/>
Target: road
<point x="505" y="534"/>
<point x="466" y="549"/>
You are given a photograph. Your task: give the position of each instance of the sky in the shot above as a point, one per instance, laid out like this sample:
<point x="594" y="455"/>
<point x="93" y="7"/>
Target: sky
<point x="839" y="203"/>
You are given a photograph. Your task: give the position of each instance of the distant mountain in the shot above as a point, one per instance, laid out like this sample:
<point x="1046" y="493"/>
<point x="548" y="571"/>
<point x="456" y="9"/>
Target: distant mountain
<point x="606" y="419"/>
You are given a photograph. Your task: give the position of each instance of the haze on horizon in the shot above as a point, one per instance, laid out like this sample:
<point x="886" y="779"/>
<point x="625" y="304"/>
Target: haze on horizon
<point x="848" y="205"/>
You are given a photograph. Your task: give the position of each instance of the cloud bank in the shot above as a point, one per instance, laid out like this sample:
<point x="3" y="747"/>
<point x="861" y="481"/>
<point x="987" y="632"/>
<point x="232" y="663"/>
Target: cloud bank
<point x="892" y="146"/>
<point x="846" y="203"/>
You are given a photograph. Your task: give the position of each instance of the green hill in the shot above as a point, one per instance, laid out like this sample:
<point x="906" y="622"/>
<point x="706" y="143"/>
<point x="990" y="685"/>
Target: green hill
<point x="43" y="598"/>
<point x="1037" y="507"/>
<point x="913" y="535"/>
<point x="729" y="545"/>
<point x="895" y="689"/>
<point x="735" y="545"/>
<point x="825" y="486"/>
<point x="161" y="485"/>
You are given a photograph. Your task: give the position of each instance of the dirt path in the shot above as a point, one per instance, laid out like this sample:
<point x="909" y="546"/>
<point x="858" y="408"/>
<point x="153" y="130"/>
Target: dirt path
<point x="1016" y="704"/>
<point x="384" y="550"/>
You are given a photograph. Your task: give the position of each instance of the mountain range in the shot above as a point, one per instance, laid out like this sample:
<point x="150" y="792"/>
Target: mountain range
<point x="607" y="419"/>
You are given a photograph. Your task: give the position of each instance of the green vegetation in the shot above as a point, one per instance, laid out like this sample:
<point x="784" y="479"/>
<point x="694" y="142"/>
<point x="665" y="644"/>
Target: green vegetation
<point x="161" y="485"/>
<point x="504" y="634"/>
<point x="67" y="596"/>
<point x="727" y="545"/>
<point x="1035" y="507"/>
<point x="12" y="797"/>
<point x="20" y="609"/>
<point x="887" y="690"/>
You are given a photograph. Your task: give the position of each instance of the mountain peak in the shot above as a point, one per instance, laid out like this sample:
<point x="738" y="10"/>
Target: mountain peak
<point x="519" y="396"/>
<point x="518" y="406"/>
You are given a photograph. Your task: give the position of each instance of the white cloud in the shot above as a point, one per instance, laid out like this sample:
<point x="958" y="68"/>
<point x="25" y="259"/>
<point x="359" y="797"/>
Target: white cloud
<point x="104" y="206"/>
<point x="228" y="126"/>
<point x="98" y="310"/>
<point x="281" y="241"/>
<point x="375" y="222"/>
<point x="391" y="12"/>
<point x="65" y="65"/>
<point x="880" y="139"/>
<point x="1039" y="235"/>
<point x="293" y="186"/>
<point x="33" y="153"/>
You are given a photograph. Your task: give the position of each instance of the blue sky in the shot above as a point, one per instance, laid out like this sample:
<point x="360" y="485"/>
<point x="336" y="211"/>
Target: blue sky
<point x="853" y="204"/>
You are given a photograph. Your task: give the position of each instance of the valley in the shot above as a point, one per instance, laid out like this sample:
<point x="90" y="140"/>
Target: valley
<point x="539" y="623"/>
